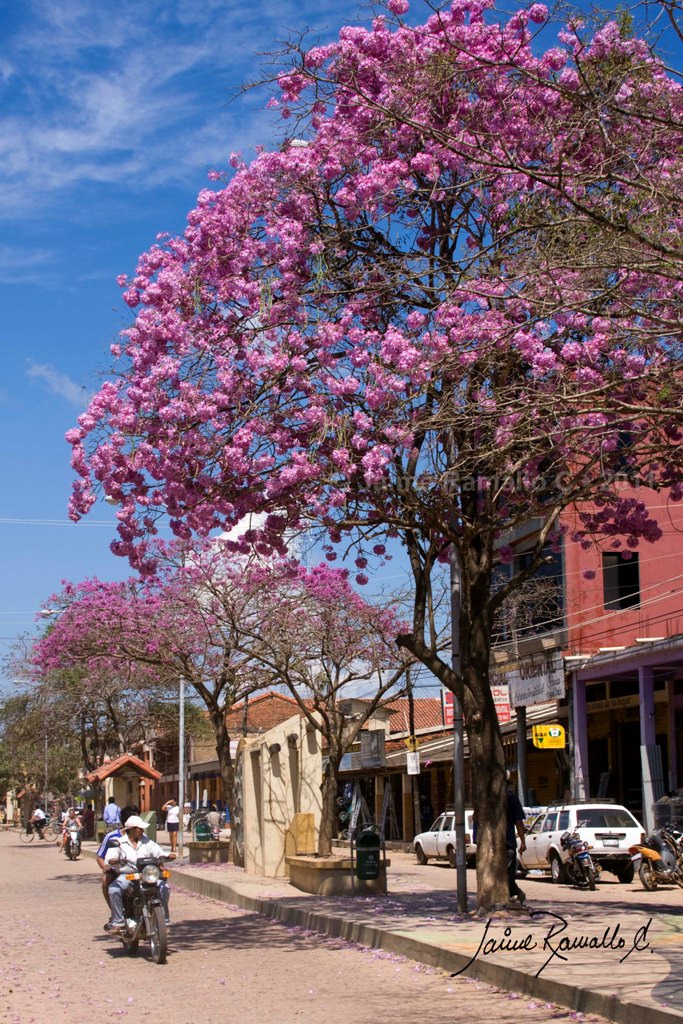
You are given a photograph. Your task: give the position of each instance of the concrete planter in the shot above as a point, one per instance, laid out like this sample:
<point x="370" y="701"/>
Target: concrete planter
<point x="331" y="876"/>
<point x="215" y="851"/>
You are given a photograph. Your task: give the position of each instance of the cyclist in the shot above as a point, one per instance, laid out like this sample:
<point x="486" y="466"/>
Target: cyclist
<point x="39" y="821"/>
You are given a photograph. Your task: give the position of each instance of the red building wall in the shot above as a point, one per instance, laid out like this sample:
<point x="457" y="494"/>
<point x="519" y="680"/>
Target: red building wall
<point x="660" y="610"/>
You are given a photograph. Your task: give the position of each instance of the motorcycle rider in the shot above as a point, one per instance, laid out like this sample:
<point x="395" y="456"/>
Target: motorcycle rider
<point x="133" y="845"/>
<point x="108" y="874"/>
<point x="71" y="820"/>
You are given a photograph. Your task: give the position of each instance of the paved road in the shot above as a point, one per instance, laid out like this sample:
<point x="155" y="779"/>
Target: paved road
<point x="58" y="966"/>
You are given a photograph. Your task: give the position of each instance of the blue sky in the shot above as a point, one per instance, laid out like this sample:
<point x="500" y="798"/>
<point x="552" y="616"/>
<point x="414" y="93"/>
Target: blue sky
<point x="110" y="117"/>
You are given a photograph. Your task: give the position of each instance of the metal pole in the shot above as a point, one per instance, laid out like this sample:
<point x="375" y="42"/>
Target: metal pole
<point x="181" y="766"/>
<point x="414" y="783"/>
<point x="45" y="807"/>
<point x="458" y="739"/>
<point x="520" y="712"/>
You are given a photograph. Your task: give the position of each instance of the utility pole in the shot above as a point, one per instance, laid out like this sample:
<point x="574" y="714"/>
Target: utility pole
<point x="181" y="766"/>
<point x="413" y="746"/>
<point x="458" y="737"/>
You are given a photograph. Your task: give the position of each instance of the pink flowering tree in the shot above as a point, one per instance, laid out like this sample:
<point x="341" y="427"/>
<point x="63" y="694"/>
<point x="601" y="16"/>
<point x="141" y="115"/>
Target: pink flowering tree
<point x="447" y="306"/>
<point x="231" y="627"/>
<point x="326" y="644"/>
<point x="157" y="631"/>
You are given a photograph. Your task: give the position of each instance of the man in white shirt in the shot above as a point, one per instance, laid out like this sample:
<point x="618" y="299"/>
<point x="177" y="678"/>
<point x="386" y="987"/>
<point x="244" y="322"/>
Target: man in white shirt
<point x="132" y="846"/>
<point x="39" y="821"/>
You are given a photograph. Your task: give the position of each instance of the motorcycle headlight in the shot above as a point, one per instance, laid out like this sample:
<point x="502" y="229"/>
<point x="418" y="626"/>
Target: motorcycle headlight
<point x="151" y="873"/>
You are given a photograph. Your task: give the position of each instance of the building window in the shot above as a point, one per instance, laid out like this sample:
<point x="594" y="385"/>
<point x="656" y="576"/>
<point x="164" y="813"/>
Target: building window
<point x="621" y="581"/>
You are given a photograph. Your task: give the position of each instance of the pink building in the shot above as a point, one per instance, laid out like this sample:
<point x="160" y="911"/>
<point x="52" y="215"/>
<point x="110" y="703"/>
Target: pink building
<point x="624" y="652"/>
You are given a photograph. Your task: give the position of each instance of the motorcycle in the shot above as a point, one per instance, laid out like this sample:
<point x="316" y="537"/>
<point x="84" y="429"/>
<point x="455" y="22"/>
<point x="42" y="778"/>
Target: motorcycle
<point x="72" y="847"/>
<point x="143" y="909"/>
<point x="579" y="869"/>
<point x="659" y="858"/>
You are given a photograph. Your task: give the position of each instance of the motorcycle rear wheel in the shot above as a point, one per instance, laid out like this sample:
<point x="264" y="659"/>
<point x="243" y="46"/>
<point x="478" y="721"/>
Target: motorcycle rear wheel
<point x="647" y="875"/>
<point x="158" y="936"/>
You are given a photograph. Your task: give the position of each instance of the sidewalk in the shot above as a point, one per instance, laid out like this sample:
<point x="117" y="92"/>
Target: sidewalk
<point x="617" y="952"/>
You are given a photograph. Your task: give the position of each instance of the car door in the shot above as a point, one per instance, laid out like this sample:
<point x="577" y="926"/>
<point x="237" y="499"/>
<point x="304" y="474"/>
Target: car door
<point x="547" y="836"/>
<point x="446" y="835"/>
<point x="530" y="856"/>
<point x="429" y="840"/>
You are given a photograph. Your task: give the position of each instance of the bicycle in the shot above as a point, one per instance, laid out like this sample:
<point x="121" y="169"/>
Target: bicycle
<point x="29" y="832"/>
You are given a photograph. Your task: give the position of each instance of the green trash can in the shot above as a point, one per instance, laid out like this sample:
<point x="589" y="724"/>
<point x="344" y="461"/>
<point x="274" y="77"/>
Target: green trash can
<point x="202" y="832"/>
<point x="368" y="853"/>
<point x="150" y="820"/>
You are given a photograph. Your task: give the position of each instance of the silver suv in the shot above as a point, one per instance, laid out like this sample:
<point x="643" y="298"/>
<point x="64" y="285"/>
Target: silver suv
<point x="608" y="828"/>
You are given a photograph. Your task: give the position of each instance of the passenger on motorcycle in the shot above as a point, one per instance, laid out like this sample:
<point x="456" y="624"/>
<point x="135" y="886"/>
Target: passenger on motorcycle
<point x="71" y="820"/>
<point x="133" y="845"/>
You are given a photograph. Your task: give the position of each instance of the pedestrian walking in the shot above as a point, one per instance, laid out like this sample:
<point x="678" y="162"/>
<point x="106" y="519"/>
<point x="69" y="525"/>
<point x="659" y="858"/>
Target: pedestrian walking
<point x="172" y="809"/>
<point x="112" y="814"/>
<point x="514" y="829"/>
<point x="88" y="818"/>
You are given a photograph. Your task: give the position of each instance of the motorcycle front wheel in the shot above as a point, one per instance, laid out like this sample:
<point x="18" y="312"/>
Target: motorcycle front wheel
<point x="590" y="878"/>
<point x="647" y="875"/>
<point x="130" y="946"/>
<point x="158" y="937"/>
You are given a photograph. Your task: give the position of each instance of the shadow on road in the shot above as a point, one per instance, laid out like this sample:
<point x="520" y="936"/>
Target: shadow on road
<point x="250" y="932"/>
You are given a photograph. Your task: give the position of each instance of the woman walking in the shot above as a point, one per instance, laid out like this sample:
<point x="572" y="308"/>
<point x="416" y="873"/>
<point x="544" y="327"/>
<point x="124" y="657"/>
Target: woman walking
<point x="172" y="809"/>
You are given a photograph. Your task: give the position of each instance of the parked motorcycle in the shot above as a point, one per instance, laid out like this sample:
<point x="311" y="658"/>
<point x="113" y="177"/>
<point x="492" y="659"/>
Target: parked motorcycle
<point x="579" y="869"/>
<point x="659" y="858"/>
<point x="72" y="847"/>
<point x="144" y="911"/>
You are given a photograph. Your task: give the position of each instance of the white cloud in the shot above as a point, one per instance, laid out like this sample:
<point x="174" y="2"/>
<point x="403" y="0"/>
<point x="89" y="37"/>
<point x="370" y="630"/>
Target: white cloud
<point x="134" y="97"/>
<point x="59" y="384"/>
<point x="25" y="266"/>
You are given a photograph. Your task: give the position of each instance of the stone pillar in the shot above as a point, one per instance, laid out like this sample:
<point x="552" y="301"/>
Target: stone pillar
<point x="580" y="739"/>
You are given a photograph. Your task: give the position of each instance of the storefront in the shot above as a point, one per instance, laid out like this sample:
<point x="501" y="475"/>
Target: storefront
<point x="627" y="710"/>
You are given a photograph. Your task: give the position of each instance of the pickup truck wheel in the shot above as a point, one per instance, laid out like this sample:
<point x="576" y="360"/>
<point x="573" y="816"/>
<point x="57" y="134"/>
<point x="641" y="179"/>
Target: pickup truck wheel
<point x="420" y="854"/>
<point x="521" y="871"/>
<point x="558" y="872"/>
<point x="450" y="853"/>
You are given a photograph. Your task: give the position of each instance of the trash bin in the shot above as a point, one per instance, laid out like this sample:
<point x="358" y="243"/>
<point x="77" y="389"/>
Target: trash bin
<point x="150" y="819"/>
<point x="368" y="853"/>
<point x="202" y="832"/>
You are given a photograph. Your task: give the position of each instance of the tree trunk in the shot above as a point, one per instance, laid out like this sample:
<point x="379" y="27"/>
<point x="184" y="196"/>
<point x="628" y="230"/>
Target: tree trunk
<point x="329" y="808"/>
<point x="487" y="770"/>
<point x="472" y="687"/>
<point x="225" y="762"/>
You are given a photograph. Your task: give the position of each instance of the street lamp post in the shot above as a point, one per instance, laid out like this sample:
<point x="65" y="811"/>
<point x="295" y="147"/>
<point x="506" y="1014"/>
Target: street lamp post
<point x="458" y="738"/>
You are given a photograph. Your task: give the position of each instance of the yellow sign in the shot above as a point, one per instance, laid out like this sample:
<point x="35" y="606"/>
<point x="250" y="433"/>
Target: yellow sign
<point x="412" y="743"/>
<point x="548" y="736"/>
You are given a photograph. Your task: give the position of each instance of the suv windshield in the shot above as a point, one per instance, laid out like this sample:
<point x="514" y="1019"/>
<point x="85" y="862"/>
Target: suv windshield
<point x="604" y="817"/>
